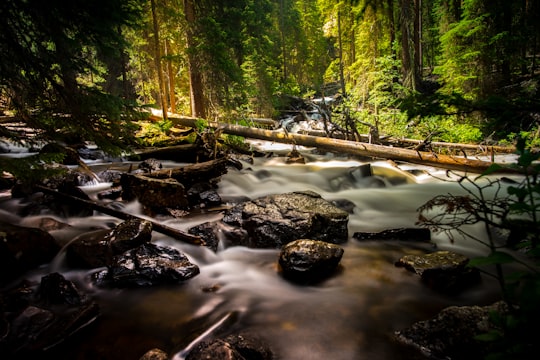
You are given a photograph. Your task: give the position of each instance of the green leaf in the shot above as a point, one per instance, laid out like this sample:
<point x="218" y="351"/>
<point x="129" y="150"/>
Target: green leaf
<point x="493" y="168"/>
<point x="490" y="336"/>
<point x="496" y="257"/>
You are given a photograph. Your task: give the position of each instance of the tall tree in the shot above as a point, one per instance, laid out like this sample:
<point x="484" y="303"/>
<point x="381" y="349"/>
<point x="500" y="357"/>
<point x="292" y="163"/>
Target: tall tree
<point x="47" y="67"/>
<point x="198" y="103"/>
<point x="157" y="59"/>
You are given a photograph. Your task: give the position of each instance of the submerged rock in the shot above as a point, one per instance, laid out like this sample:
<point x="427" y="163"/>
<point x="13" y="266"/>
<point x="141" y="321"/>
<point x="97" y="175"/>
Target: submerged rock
<point x="23" y="249"/>
<point x="452" y="333"/>
<point x="44" y="318"/>
<point x="148" y="265"/>
<point x="233" y="347"/>
<point x="275" y="220"/>
<point x="309" y="261"/>
<point x="443" y="271"/>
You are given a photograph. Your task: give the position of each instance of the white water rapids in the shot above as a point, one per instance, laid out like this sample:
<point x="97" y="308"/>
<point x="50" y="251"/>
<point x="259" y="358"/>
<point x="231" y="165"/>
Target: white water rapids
<point x="350" y="316"/>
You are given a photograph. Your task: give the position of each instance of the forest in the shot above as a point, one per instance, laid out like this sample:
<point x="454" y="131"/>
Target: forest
<point x="457" y="70"/>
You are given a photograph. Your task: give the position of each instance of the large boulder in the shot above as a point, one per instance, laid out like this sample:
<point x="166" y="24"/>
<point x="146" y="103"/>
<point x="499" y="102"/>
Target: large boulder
<point x="309" y="261"/>
<point x="97" y="248"/>
<point x="275" y="220"/>
<point x="147" y="265"/>
<point x="23" y="249"/>
<point x="452" y="334"/>
<point x="154" y="194"/>
<point x="444" y="271"/>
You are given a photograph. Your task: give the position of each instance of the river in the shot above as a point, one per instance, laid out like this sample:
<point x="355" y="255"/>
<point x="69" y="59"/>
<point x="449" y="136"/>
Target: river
<point x="350" y="316"/>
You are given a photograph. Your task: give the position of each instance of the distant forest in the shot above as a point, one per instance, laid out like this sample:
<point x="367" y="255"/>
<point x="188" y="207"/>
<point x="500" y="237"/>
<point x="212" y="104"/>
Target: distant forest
<point x="460" y="70"/>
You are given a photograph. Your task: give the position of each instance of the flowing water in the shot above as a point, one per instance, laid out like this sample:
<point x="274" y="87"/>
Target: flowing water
<point x="347" y="317"/>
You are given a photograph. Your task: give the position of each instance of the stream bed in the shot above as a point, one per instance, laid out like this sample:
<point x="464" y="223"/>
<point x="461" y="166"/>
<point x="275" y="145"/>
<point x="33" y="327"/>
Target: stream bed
<point x="350" y="316"/>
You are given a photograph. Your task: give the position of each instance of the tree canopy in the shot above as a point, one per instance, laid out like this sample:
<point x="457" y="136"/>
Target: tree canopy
<point x="464" y="69"/>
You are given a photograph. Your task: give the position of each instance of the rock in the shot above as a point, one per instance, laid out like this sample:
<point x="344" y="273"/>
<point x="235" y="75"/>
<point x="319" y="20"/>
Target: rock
<point x="150" y="165"/>
<point x="451" y="334"/>
<point x="154" y="194"/>
<point x="45" y="319"/>
<point x="404" y="234"/>
<point x="275" y="220"/>
<point x="309" y="261"/>
<point x="443" y="271"/>
<point x="56" y="290"/>
<point x="97" y="248"/>
<point x="233" y="347"/>
<point x="203" y="195"/>
<point x="209" y="232"/>
<point x="155" y="354"/>
<point x="23" y="249"/>
<point x="148" y="265"/>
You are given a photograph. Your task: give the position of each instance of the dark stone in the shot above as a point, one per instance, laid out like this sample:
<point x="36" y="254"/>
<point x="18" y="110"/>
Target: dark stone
<point x="275" y="220"/>
<point x="452" y="333"/>
<point x="233" y="347"/>
<point x="309" y="261"/>
<point x="155" y="194"/>
<point x="207" y="231"/>
<point x="150" y="165"/>
<point x="155" y="354"/>
<point x="97" y="248"/>
<point x="443" y="271"/>
<point x="403" y="234"/>
<point x="44" y="319"/>
<point x="150" y="265"/>
<point x="56" y="290"/>
<point x="23" y="249"/>
<point x="203" y="195"/>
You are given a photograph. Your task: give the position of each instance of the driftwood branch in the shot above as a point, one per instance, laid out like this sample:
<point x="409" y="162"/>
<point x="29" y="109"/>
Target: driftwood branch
<point x="163" y="229"/>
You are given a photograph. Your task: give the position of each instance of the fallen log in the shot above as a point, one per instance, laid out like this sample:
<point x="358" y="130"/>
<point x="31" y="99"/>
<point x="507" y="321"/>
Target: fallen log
<point x="198" y="172"/>
<point x="350" y="147"/>
<point x="181" y="153"/>
<point x="163" y="229"/>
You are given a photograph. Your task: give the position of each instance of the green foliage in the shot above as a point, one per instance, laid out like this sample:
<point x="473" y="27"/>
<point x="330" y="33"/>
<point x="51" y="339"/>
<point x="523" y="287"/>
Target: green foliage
<point x="33" y="169"/>
<point x="51" y="51"/>
<point x="516" y="213"/>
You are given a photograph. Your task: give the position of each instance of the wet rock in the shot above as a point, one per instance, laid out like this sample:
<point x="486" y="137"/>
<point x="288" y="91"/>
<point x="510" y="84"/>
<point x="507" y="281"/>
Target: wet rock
<point x="209" y="232"/>
<point x="154" y="194"/>
<point x="112" y="176"/>
<point x="23" y="249"/>
<point x="404" y="234"/>
<point x="203" y="195"/>
<point x="148" y="265"/>
<point x="50" y="316"/>
<point x="155" y="354"/>
<point x="309" y="261"/>
<point x="444" y="271"/>
<point x="150" y="165"/>
<point x="233" y="347"/>
<point x="275" y="220"/>
<point x="97" y="248"/>
<point x="451" y="334"/>
<point x="56" y="290"/>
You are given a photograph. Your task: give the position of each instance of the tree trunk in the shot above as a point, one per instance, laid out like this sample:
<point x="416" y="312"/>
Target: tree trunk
<point x="350" y="147"/>
<point x="157" y="55"/>
<point x="198" y="106"/>
<point x="172" y="77"/>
